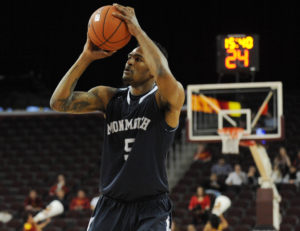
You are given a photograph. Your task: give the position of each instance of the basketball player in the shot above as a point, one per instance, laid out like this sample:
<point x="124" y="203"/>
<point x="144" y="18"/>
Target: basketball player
<point x="139" y="129"/>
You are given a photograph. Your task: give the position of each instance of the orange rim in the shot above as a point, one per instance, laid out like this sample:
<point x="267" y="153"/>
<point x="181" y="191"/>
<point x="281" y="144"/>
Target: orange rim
<point x="232" y="131"/>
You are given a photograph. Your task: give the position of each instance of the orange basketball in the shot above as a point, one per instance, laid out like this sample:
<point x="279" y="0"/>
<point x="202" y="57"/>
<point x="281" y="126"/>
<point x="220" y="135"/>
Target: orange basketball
<point x="106" y="31"/>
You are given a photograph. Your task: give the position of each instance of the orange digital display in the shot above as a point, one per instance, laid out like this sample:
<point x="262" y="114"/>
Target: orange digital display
<point x="237" y="53"/>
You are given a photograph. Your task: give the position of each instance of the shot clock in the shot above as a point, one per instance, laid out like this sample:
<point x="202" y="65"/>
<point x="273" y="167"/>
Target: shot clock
<point x="237" y="53"/>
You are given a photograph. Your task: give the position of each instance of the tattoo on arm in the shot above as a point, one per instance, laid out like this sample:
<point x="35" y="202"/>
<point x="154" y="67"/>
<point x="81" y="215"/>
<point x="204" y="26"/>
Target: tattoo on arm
<point x="74" y="103"/>
<point x="78" y="106"/>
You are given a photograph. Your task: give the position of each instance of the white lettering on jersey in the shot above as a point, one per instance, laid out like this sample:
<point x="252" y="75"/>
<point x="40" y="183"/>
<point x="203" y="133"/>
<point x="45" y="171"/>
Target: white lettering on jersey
<point x="125" y="125"/>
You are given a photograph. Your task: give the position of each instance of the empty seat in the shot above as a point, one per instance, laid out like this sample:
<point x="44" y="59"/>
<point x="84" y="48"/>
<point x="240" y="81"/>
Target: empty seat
<point x="15" y="223"/>
<point x="286" y="227"/>
<point x="297" y="228"/>
<point x="293" y="211"/>
<point x="250" y="221"/>
<point x="232" y="221"/>
<point x="235" y="212"/>
<point x="242" y="228"/>
<point x="291" y="220"/>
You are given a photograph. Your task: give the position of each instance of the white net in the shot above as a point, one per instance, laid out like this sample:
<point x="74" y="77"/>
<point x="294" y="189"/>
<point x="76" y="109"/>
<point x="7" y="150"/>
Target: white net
<point x="230" y="139"/>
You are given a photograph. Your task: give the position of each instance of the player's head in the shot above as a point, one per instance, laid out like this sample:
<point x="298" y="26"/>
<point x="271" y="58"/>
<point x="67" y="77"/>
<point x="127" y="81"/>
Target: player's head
<point x="136" y="72"/>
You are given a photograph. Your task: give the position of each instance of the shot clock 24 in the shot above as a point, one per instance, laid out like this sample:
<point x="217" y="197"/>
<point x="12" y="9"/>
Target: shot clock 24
<point x="237" y="53"/>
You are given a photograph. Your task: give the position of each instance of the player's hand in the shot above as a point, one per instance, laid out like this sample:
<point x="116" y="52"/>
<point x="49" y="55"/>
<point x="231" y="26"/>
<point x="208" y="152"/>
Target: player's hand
<point x="92" y="52"/>
<point x="127" y="14"/>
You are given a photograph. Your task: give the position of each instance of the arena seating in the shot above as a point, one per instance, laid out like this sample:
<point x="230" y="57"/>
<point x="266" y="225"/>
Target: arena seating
<point x="35" y="149"/>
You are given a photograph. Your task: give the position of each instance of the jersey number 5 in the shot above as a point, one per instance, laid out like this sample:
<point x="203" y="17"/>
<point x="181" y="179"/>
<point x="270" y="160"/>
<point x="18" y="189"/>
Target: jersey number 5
<point x="128" y="146"/>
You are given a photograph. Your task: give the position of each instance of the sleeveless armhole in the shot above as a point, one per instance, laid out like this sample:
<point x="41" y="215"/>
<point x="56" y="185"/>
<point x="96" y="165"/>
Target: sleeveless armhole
<point x="165" y="126"/>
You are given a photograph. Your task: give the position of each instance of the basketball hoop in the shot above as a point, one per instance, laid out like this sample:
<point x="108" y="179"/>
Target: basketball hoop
<point x="231" y="137"/>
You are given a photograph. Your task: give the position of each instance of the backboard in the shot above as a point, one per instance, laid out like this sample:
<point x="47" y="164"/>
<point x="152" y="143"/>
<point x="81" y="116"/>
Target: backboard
<point x="257" y="107"/>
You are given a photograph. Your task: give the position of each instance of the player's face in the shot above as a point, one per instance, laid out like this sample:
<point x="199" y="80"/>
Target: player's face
<point x="136" y="72"/>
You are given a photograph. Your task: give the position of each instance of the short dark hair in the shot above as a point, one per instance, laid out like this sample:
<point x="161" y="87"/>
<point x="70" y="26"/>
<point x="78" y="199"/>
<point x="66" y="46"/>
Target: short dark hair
<point x="161" y="48"/>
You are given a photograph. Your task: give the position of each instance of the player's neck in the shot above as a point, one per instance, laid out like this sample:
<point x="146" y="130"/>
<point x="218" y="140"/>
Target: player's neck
<point x="142" y="89"/>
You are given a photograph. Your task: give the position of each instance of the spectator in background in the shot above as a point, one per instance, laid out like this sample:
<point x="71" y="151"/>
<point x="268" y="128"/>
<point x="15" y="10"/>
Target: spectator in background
<point x="60" y="195"/>
<point x="236" y="178"/>
<point x="33" y="202"/>
<point x="199" y="206"/>
<point x="81" y="202"/>
<point x="61" y="184"/>
<point x="252" y="178"/>
<point x="276" y="174"/>
<point x="214" y="183"/>
<point x="292" y="177"/>
<point x="221" y="168"/>
<point x="296" y="161"/>
<point x="283" y="160"/>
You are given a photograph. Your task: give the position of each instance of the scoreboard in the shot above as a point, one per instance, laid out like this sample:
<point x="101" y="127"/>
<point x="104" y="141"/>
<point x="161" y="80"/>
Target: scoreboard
<point x="237" y="53"/>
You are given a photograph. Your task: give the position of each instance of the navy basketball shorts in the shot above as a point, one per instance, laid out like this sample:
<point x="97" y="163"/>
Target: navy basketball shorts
<point x="150" y="215"/>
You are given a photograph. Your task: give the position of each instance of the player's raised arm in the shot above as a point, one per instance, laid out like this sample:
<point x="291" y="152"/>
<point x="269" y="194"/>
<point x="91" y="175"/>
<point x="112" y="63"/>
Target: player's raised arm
<point x="65" y="99"/>
<point x="170" y="91"/>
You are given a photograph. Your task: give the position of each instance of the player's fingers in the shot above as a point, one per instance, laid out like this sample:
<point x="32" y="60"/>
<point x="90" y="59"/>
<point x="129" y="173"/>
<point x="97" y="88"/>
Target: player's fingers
<point x="109" y="53"/>
<point x="120" y="16"/>
<point x="120" y="8"/>
<point x="125" y="10"/>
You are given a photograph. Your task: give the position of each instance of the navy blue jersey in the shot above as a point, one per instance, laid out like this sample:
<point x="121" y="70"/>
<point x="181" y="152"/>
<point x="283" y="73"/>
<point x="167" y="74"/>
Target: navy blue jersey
<point x="135" y="147"/>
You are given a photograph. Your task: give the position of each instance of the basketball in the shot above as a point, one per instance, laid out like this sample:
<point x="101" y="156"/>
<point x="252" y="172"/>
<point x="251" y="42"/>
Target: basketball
<point x="106" y="31"/>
